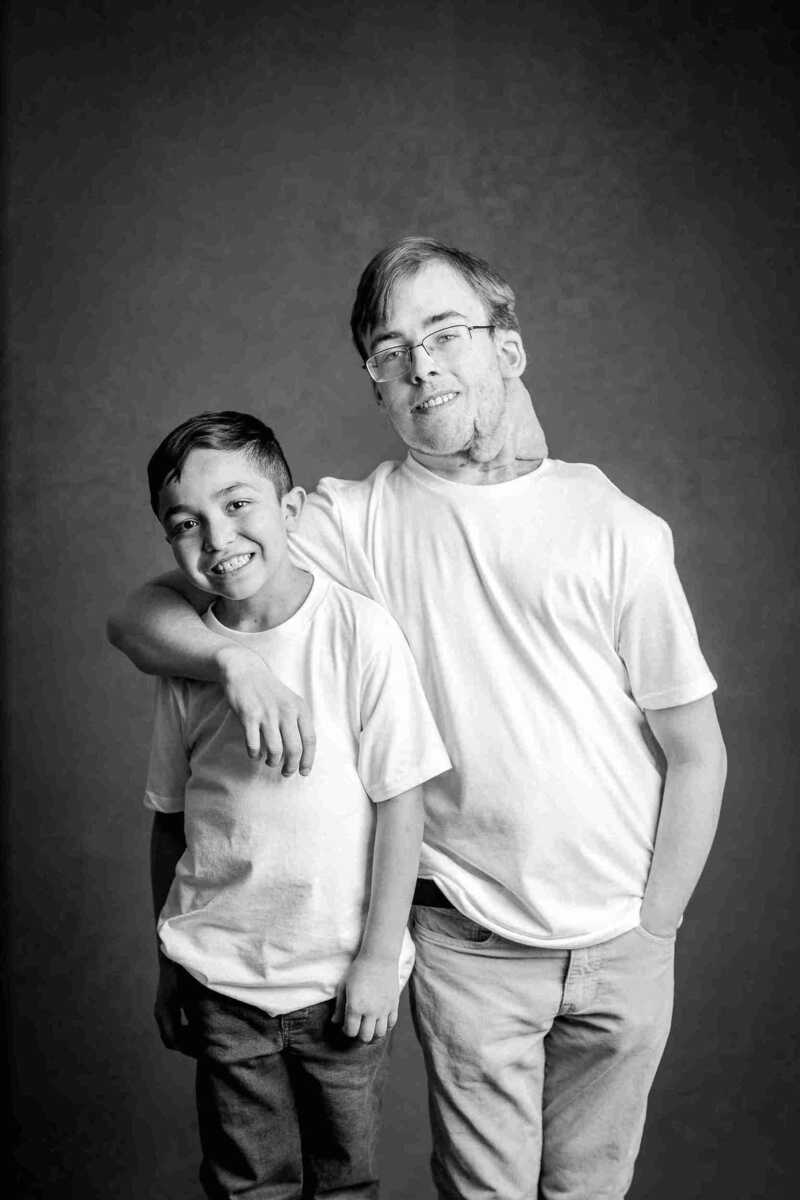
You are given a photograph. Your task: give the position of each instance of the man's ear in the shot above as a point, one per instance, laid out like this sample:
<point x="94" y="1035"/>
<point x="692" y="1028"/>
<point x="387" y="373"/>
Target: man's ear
<point x="292" y="504"/>
<point x="376" y="391"/>
<point x="510" y="353"/>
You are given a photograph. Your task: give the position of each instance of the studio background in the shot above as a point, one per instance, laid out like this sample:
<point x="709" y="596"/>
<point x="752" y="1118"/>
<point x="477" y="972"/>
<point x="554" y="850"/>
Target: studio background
<point x="193" y="190"/>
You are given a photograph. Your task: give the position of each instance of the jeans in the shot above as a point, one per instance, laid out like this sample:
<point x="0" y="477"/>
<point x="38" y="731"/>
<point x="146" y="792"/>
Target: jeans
<point x="288" y="1107"/>
<point x="539" y="1061"/>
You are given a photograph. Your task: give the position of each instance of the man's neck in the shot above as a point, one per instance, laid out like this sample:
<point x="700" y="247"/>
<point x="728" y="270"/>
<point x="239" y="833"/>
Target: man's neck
<point x="461" y="468"/>
<point x="516" y="446"/>
<point x="269" y="607"/>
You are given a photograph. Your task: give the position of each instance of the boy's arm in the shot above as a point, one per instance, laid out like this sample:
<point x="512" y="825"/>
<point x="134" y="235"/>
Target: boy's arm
<point x="161" y="632"/>
<point x="690" y="737"/>
<point x="167" y="844"/>
<point x="370" y="994"/>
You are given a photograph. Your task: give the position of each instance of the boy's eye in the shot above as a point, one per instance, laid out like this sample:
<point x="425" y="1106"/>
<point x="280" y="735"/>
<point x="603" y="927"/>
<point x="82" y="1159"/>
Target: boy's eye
<point x="235" y="505"/>
<point x="182" y="527"/>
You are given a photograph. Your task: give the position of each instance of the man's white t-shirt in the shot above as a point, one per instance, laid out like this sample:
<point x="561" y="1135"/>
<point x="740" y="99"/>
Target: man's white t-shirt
<point x="545" y="614"/>
<point x="269" y="899"/>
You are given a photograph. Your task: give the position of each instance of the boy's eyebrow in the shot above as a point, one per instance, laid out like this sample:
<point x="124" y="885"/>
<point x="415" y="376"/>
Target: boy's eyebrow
<point x="435" y="319"/>
<point x="179" y="508"/>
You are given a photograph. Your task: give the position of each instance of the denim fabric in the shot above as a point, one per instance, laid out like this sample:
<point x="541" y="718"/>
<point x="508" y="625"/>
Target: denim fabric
<point x="539" y="1061"/>
<point x="288" y="1107"/>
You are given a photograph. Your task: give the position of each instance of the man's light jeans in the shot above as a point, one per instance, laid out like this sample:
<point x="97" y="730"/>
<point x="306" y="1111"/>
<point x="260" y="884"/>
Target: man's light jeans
<point x="539" y="1061"/>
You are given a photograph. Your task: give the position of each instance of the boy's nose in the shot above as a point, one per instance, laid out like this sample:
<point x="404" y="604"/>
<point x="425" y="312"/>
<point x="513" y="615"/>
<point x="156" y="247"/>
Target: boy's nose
<point x="217" y="535"/>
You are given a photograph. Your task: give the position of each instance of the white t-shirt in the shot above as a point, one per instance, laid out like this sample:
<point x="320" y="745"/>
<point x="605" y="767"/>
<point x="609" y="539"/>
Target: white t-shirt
<point x="269" y="899"/>
<point x="545" y="614"/>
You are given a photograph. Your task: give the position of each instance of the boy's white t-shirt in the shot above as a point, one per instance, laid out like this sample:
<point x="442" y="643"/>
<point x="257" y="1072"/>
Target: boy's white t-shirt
<point x="269" y="899"/>
<point x="545" y="614"/>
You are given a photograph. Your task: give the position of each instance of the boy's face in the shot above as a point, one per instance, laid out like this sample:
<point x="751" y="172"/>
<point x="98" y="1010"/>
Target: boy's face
<point x="225" y="524"/>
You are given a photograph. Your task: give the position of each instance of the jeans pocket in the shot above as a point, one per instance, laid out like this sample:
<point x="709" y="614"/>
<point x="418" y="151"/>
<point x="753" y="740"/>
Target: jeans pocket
<point x="448" y="927"/>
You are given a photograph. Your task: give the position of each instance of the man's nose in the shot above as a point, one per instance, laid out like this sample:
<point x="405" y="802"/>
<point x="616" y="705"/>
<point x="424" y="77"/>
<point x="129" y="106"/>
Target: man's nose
<point x="422" y="365"/>
<point x="218" y="534"/>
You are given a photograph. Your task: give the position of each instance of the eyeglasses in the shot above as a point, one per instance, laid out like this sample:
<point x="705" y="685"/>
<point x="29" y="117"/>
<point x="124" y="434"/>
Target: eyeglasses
<point x="444" y="346"/>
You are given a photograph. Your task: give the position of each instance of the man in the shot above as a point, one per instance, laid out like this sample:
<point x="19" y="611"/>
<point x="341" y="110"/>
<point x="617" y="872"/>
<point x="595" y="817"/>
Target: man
<point x="561" y="662"/>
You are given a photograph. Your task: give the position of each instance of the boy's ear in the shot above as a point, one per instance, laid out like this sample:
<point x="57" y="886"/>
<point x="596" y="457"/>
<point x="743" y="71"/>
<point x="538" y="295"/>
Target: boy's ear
<point x="510" y="353"/>
<point x="292" y="504"/>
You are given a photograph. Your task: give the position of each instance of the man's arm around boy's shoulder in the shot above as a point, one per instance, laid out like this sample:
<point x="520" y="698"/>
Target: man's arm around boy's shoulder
<point x="160" y="630"/>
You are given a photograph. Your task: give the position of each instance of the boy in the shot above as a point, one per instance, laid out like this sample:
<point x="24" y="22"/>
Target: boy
<point x="281" y="899"/>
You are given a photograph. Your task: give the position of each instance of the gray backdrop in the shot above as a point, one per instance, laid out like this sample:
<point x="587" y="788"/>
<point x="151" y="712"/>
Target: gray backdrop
<point x="193" y="191"/>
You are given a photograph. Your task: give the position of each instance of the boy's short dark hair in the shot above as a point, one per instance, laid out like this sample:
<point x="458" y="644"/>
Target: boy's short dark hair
<point x="218" y="431"/>
<point x="404" y="258"/>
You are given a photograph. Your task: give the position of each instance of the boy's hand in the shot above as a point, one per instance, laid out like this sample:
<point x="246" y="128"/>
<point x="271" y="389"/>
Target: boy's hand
<point x="277" y="723"/>
<point x="366" y="1005"/>
<point x="168" y="1010"/>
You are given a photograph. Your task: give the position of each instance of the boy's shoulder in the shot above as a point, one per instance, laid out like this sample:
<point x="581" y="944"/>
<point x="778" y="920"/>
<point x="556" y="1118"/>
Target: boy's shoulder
<point x="364" y="619"/>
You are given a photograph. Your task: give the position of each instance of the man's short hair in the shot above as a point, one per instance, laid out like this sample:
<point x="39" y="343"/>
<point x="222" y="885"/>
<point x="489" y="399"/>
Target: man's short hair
<point x="404" y="258"/>
<point x="218" y="431"/>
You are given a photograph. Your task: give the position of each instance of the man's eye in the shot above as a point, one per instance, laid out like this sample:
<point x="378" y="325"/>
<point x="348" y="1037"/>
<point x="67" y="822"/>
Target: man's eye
<point x="447" y="335"/>
<point x="393" y="355"/>
<point x="235" y="505"/>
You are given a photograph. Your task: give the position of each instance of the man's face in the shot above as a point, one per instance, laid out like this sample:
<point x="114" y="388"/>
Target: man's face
<point x="453" y="410"/>
<point x="226" y="525"/>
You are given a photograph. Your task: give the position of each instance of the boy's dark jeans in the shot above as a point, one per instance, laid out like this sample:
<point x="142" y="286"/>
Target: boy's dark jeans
<point x="288" y="1107"/>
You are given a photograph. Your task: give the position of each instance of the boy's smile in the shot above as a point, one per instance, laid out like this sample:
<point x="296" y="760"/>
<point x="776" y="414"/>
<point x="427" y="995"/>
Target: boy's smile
<point x="227" y="529"/>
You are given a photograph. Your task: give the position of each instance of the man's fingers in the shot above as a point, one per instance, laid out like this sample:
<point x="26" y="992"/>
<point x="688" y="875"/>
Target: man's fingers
<point x="309" y="741"/>
<point x="381" y="1027"/>
<point x="292" y="747"/>
<point x="273" y="746"/>
<point x="392" y="1020"/>
<point x="252" y="738"/>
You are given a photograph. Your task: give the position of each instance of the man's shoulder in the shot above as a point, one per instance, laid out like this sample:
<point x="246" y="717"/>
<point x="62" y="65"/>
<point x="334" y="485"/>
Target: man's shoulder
<point x="588" y="487"/>
<point x="353" y="489"/>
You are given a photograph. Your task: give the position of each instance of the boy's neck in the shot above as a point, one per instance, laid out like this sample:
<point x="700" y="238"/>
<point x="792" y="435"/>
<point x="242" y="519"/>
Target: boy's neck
<point x="275" y="603"/>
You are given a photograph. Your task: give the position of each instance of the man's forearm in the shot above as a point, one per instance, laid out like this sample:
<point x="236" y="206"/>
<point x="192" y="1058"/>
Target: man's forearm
<point x="689" y="813"/>
<point x="162" y="634"/>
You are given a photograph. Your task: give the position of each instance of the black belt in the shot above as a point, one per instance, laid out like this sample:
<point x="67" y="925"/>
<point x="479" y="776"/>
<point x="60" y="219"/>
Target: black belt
<point x="430" y="895"/>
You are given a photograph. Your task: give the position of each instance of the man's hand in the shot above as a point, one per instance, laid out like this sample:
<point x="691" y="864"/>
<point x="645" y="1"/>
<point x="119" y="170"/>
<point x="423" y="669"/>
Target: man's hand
<point x="168" y="1009"/>
<point x="277" y="723"/>
<point x="366" y="1005"/>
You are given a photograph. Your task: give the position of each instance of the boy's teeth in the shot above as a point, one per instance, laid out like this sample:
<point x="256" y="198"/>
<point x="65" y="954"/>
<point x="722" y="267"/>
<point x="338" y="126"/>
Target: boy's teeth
<point x="231" y="564"/>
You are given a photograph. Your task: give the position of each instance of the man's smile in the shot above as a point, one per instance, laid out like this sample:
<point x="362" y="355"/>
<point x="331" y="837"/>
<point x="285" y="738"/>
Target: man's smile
<point x="435" y="401"/>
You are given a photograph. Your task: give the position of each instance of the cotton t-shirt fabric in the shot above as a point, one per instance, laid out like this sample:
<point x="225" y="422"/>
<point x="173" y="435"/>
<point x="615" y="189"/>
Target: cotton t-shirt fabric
<point x="545" y="614"/>
<point x="269" y="899"/>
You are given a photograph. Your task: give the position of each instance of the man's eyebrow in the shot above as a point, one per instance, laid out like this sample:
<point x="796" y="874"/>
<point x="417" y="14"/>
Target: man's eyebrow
<point x="435" y="319"/>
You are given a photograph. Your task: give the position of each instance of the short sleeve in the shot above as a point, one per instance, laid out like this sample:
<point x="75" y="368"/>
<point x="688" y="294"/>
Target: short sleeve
<point x="324" y="541"/>
<point x="169" y="760"/>
<point x="657" y="639"/>
<point x="400" y="746"/>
